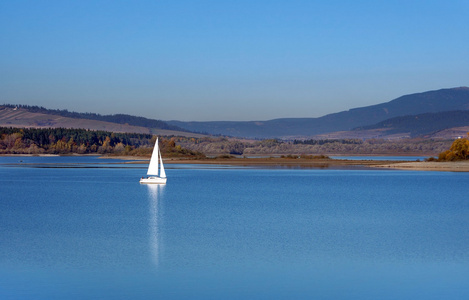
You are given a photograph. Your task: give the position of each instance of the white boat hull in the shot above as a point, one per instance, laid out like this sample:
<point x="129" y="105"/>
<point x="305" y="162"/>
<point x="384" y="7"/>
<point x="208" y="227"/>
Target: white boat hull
<point x="153" y="180"/>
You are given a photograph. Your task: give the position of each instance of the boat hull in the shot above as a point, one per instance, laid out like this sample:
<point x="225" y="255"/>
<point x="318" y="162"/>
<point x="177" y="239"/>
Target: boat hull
<point x="153" y="180"/>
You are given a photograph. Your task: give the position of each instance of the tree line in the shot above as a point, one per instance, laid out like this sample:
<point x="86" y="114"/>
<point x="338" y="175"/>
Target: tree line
<point x="331" y="141"/>
<point x="83" y="141"/>
<point x="225" y="146"/>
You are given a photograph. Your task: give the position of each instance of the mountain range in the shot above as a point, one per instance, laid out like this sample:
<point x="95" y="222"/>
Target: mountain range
<point x="442" y="113"/>
<point x="444" y="100"/>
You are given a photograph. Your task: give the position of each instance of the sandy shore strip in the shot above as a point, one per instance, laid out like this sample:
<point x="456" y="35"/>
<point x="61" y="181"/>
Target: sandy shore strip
<point x="450" y="166"/>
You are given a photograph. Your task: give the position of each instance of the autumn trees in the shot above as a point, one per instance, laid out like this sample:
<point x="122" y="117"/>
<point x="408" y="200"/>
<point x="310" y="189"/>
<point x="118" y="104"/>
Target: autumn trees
<point x="81" y="141"/>
<point x="459" y="150"/>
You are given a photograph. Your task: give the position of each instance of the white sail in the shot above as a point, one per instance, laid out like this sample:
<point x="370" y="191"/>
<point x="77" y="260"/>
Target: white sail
<point x="162" y="172"/>
<point x="153" y="166"/>
<point x="155" y="162"/>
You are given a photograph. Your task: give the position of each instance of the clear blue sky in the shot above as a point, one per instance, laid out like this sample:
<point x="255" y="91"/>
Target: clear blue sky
<point x="228" y="60"/>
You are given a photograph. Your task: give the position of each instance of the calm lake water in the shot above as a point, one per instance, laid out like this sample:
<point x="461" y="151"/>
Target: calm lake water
<point x="87" y="229"/>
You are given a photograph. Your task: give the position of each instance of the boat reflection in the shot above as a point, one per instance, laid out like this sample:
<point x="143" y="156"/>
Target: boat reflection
<point x="155" y="192"/>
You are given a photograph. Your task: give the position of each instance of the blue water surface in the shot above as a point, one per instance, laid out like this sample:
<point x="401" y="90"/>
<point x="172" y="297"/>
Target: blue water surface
<point x="231" y="233"/>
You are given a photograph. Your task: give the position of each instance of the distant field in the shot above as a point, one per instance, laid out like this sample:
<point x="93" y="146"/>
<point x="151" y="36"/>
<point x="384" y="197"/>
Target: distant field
<point x="22" y="118"/>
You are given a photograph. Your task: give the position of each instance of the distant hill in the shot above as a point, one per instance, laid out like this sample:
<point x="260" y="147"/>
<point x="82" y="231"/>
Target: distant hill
<point x="39" y="117"/>
<point x="117" y="118"/>
<point x="427" y="102"/>
<point x="422" y="124"/>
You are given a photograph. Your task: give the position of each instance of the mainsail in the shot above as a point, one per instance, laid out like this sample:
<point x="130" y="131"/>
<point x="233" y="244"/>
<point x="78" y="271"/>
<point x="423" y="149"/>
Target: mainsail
<point x="153" y="166"/>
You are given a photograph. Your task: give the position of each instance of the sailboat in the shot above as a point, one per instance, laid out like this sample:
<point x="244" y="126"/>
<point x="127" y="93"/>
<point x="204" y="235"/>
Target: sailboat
<point x="156" y="164"/>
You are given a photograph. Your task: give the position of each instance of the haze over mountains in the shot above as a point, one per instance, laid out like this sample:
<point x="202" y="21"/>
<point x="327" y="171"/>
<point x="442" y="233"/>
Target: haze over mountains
<point x="442" y="113"/>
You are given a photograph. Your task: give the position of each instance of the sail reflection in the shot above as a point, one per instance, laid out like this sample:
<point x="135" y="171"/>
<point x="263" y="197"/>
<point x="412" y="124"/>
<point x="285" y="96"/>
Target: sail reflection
<point x="155" y="192"/>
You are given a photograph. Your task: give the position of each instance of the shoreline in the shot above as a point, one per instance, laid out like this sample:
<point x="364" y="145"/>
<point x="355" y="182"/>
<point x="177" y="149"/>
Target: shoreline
<point x="270" y="162"/>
